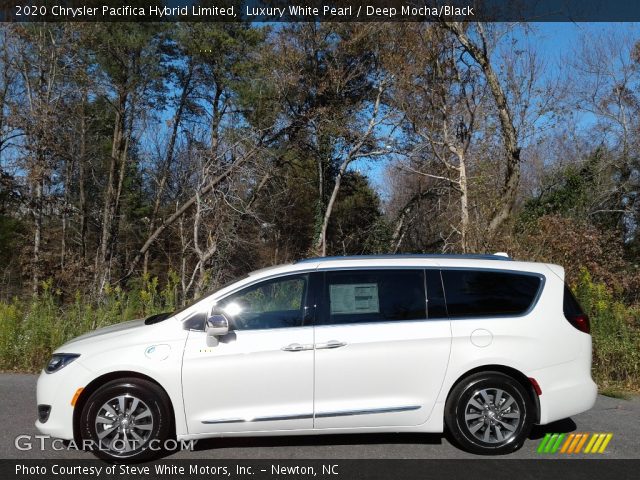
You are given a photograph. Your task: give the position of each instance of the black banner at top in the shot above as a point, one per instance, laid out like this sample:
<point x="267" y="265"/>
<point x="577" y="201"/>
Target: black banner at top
<point x="319" y="10"/>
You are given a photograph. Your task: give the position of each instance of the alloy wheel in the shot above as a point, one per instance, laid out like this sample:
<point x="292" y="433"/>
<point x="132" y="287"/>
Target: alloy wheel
<point x="123" y="424"/>
<point x="492" y="415"/>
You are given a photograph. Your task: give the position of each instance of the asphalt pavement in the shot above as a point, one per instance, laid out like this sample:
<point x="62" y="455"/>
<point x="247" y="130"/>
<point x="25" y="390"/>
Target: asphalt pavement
<point x="618" y="416"/>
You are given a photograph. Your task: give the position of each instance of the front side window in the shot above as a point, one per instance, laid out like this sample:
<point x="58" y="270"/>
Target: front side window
<point x="485" y="293"/>
<point x="373" y="296"/>
<point x="277" y="303"/>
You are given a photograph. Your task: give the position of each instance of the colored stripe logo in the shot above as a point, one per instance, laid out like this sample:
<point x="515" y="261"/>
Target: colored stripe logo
<point x="574" y="443"/>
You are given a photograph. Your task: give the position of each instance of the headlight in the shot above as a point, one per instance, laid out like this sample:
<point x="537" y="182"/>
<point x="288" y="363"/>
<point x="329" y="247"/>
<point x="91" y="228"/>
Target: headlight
<point x="59" y="361"/>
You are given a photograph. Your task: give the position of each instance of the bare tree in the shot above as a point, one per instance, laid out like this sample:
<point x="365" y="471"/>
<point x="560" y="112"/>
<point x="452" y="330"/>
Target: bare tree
<point x="452" y="110"/>
<point x="365" y="145"/>
<point x="607" y="81"/>
<point x="480" y="52"/>
<point x="186" y="87"/>
<point x="131" y="66"/>
<point x="8" y="75"/>
<point x="41" y="62"/>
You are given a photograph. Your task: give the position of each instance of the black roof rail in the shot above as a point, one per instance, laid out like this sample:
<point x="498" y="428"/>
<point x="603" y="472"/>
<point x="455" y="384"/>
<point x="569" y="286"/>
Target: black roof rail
<point x="467" y="256"/>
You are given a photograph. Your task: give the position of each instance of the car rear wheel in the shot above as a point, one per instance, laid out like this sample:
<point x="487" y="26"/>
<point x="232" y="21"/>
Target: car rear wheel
<point x="489" y="413"/>
<point x="126" y="419"/>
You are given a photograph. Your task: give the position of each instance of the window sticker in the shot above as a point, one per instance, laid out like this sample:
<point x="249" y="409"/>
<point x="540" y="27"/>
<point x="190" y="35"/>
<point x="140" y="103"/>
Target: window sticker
<point x="354" y="298"/>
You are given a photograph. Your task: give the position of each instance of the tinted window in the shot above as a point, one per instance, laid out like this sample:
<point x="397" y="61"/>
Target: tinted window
<point x="476" y="293"/>
<point x="372" y="296"/>
<point x="277" y="303"/>
<point x="570" y="305"/>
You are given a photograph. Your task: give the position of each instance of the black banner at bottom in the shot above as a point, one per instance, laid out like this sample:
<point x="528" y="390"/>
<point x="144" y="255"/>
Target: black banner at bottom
<point x="561" y="469"/>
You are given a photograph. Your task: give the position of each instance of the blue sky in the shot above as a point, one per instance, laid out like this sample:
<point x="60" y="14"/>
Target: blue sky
<point x="553" y="41"/>
<point x="561" y="38"/>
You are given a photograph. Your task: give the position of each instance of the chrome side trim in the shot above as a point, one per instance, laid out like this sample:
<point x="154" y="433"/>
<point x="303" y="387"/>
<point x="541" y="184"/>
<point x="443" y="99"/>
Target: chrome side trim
<point x="372" y="411"/>
<point x="259" y="419"/>
<point x="224" y="420"/>
<point x="344" y="413"/>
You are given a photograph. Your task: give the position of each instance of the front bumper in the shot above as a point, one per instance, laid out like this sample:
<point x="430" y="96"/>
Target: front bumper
<point x="56" y="390"/>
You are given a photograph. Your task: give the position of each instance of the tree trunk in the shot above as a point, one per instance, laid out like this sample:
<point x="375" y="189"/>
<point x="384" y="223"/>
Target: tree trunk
<point x="216" y="117"/>
<point x="321" y="245"/>
<point x="37" y="233"/>
<point x="464" y="204"/>
<point x="186" y="89"/>
<point x="321" y="242"/>
<point x="65" y="214"/>
<point x="81" y="179"/>
<point x="115" y="223"/>
<point x="118" y="147"/>
<point x="183" y="259"/>
<point x="507" y="198"/>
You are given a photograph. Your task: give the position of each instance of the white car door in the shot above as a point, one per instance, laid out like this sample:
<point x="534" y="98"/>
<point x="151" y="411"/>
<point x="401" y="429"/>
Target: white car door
<point x="379" y="360"/>
<point x="260" y="375"/>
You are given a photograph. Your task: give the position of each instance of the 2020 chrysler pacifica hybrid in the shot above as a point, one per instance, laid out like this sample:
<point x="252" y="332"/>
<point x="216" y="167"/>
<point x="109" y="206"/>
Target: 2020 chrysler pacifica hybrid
<point x="478" y="344"/>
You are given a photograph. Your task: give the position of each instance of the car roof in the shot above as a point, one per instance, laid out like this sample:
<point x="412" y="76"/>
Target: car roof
<point x="495" y="261"/>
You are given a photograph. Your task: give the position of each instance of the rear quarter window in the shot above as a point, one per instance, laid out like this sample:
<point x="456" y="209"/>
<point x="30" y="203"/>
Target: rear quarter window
<point x="570" y="305"/>
<point x="485" y="293"/>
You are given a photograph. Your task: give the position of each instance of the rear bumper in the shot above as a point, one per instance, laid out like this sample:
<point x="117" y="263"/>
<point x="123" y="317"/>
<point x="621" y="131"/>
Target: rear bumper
<point x="567" y="389"/>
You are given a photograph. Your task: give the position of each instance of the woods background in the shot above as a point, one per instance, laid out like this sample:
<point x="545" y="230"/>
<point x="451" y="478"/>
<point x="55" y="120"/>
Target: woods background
<point x="142" y="165"/>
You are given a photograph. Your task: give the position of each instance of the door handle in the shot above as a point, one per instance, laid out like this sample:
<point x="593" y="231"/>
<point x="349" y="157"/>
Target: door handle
<point x="296" y="347"/>
<point x="330" y="344"/>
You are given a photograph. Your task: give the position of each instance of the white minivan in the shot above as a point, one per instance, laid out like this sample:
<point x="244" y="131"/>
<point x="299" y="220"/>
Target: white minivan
<point x="479" y="344"/>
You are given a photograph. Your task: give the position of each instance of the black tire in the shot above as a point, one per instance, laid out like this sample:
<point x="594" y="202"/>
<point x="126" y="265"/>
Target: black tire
<point x="468" y="419"/>
<point x="147" y="415"/>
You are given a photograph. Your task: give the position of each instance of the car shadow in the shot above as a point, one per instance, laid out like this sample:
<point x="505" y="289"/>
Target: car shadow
<point x="318" y="440"/>
<point x="565" y="425"/>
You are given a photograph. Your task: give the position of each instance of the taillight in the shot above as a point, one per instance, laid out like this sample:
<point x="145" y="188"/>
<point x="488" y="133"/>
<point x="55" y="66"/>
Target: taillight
<point x="581" y="322"/>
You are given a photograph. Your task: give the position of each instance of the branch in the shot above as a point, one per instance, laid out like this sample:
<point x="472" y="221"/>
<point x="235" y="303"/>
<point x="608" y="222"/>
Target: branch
<point x="186" y="206"/>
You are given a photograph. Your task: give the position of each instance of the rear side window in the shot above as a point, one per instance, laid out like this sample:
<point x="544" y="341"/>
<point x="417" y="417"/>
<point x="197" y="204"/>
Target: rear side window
<point x="484" y="293"/>
<point x="373" y="296"/>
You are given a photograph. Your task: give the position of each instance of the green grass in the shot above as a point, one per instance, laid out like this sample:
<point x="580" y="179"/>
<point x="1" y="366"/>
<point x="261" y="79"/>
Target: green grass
<point x="615" y="393"/>
<point x="615" y="329"/>
<point x="31" y="329"/>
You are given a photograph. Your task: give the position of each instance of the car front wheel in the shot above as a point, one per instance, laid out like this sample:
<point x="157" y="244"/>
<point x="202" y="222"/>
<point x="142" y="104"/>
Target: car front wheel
<point x="126" y="419"/>
<point x="489" y="413"/>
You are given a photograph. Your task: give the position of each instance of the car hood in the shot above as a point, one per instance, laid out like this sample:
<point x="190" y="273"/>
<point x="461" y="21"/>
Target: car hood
<point x="132" y="326"/>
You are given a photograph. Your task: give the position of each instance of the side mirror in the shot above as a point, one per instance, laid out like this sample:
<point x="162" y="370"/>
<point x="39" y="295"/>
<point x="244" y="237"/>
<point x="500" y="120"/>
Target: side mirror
<point x="217" y="326"/>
